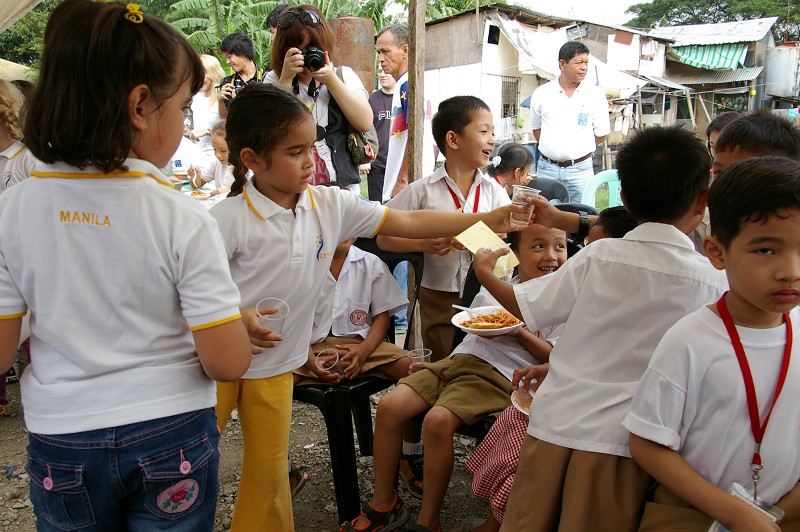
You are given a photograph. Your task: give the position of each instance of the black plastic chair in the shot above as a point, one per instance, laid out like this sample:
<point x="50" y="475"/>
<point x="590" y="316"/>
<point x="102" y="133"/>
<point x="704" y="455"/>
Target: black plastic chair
<point x="338" y="402"/>
<point x="572" y="246"/>
<point x="553" y="190"/>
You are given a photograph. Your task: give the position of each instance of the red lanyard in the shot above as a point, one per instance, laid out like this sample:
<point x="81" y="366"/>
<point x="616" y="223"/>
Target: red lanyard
<point x="458" y="203"/>
<point x="758" y="429"/>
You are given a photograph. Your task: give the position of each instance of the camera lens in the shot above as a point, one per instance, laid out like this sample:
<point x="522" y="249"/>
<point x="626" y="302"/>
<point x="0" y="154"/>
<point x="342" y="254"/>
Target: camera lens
<point x="314" y="58"/>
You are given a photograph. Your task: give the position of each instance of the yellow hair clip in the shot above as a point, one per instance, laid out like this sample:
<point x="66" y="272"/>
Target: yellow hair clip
<point x="134" y="14"/>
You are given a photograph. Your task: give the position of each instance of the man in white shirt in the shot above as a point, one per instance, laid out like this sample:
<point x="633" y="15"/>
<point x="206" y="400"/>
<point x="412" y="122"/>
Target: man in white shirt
<point x="569" y="119"/>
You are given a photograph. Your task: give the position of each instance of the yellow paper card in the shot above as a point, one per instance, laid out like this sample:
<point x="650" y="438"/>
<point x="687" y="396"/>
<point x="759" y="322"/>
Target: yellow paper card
<point x="480" y="236"/>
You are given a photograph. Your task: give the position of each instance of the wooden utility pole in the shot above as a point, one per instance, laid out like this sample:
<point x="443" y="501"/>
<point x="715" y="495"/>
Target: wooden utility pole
<point x="416" y="84"/>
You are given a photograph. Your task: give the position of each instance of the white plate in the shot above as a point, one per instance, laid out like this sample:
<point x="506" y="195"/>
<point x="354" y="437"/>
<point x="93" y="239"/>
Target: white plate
<point x="199" y="195"/>
<point x="463" y="316"/>
<point x="520" y="399"/>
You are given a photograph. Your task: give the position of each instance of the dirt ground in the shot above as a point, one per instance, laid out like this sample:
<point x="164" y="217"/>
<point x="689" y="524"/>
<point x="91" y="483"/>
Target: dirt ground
<point x="314" y="508"/>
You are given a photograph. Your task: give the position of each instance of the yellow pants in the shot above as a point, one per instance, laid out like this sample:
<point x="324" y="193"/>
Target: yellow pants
<point x="265" y="410"/>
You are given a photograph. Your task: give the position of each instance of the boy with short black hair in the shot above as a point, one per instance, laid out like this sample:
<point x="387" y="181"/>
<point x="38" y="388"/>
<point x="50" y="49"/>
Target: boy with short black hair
<point x="694" y="422"/>
<point x="617" y="297"/>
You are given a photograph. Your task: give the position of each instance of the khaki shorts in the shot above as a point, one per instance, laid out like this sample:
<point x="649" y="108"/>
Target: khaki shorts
<point x="385" y="353"/>
<point x="465" y="385"/>
<point x="558" y="488"/>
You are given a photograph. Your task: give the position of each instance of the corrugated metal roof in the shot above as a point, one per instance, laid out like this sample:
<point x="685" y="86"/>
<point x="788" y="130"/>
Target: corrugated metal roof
<point x="724" y="32"/>
<point x="714" y="56"/>
<point x="712" y="77"/>
<point x="664" y="82"/>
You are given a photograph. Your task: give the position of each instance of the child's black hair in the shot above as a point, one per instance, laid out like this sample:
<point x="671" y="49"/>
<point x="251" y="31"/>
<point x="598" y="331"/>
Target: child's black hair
<point x="454" y="114"/>
<point x="761" y="133"/>
<point x="662" y="171"/>
<point x="722" y="120"/>
<point x="617" y="221"/>
<point x="259" y="118"/>
<point x="512" y="156"/>
<point x="238" y="43"/>
<point x="93" y="56"/>
<point x="751" y="191"/>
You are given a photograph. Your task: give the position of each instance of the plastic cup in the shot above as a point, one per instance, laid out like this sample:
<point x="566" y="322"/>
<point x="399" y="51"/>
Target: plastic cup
<point x="419" y="357"/>
<point x="328" y="360"/>
<point x="518" y="197"/>
<point x="273" y="322"/>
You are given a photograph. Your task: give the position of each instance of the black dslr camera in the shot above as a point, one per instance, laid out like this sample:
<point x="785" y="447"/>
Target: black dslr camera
<point x="313" y="57"/>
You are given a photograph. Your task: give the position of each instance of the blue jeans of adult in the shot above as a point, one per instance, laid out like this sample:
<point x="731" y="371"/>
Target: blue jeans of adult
<point x="152" y="475"/>
<point x="401" y="276"/>
<point x="574" y="177"/>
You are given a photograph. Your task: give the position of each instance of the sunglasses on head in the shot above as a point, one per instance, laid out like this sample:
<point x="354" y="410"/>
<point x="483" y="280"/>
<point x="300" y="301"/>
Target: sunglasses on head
<point x="306" y="17"/>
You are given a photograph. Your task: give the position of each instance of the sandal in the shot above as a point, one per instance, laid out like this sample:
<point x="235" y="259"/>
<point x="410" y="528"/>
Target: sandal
<point x="3" y="410"/>
<point x="422" y="528"/>
<point x="394" y="517"/>
<point x="297" y="479"/>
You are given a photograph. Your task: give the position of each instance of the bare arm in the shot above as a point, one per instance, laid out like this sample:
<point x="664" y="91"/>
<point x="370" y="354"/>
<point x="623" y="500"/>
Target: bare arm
<point x="354" y="105"/>
<point x="598" y="140"/>
<point x="483" y="263"/>
<point x="435" y="224"/>
<point x="9" y="343"/>
<point x="536" y="134"/>
<point x="546" y="214"/>
<point x="538" y="347"/>
<point x="672" y="471"/>
<point x="224" y="350"/>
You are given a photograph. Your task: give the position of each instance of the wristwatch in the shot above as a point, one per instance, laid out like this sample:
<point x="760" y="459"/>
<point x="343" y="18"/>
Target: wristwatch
<point x="583" y="228"/>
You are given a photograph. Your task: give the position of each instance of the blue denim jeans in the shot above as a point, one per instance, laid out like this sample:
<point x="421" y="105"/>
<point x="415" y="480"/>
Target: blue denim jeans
<point x="152" y="475"/>
<point x="401" y="276"/>
<point x="574" y="177"/>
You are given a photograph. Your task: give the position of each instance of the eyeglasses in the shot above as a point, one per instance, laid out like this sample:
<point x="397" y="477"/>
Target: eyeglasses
<point x="306" y="17"/>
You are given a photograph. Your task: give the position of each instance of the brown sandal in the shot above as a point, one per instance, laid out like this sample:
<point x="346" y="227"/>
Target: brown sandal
<point x="394" y="517"/>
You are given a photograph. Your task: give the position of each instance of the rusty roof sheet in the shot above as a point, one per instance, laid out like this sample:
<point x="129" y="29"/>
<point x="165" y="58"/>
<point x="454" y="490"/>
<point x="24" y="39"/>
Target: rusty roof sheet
<point x="713" y="77"/>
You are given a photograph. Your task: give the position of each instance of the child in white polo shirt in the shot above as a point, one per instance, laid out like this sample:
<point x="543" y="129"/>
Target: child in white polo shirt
<point x="352" y="316"/>
<point x="280" y="235"/>
<point x="133" y="309"/>
<point x="722" y="391"/>
<point x="216" y="172"/>
<point x="617" y="297"/>
<point x="464" y="132"/>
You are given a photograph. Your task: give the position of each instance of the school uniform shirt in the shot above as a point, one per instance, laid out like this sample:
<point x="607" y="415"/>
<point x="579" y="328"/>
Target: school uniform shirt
<point x="216" y="174"/>
<point x="365" y="288"/>
<point x="504" y="353"/>
<point x="569" y="124"/>
<point x="274" y="252"/>
<point x="398" y="136"/>
<point x="16" y="164"/>
<point x="692" y="399"/>
<point x="115" y="269"/>
<point x="446" y="273"/>
<point x="205" y="112"/>
<point x="617" y="298"/>
<point x="319" y="107"/>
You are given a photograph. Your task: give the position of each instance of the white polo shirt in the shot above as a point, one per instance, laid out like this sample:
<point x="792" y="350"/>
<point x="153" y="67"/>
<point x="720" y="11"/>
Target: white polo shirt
<point x="504" y="353"/>
<point x="16" y="163"/>
<point x="617" y="298"/>
<point x="365" y="288"/>
<point x="692" y="399"/>
<point x="216" y="175"/>
<point x="274" y="252"/>
<point x="569" y="125"/>
<point x="115" y="269"/>
<point x="446" y="272"/>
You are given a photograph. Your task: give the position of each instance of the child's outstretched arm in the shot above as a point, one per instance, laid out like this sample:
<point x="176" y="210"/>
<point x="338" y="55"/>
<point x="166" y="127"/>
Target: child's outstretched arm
<point x="548" y="215"/>
<point x="483" y="263"/>
<point x="9" y="343"/>
<point x="224" y="350"/>
<point x="672" y="471"/>
<point x="434" y="224"/>
<point x="357" y="354"/>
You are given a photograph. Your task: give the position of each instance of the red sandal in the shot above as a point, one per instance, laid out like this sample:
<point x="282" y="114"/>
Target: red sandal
<point x="392" y="518"/>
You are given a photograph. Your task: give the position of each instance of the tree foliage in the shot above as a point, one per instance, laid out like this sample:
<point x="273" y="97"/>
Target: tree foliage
<point x="680" y="12"/>
<point x="23" y="41"/>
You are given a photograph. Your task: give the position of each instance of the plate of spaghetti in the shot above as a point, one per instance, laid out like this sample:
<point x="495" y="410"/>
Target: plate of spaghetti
<point x="495" y="322"/>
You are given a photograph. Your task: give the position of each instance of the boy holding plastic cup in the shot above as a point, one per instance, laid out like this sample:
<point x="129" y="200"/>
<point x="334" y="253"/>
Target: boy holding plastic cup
<point x="351" y="319"/>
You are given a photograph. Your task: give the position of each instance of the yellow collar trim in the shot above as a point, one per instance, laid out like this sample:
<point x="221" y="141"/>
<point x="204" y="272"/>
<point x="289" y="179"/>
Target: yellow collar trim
<point x="17" y="153"/>
<point x="89" y="175"/>
<point x="250" y="204"/>
<point x="311" y="196"/>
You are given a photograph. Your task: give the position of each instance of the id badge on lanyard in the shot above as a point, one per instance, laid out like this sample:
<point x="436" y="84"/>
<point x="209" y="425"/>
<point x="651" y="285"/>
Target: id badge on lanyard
<point x="770" y="511"/>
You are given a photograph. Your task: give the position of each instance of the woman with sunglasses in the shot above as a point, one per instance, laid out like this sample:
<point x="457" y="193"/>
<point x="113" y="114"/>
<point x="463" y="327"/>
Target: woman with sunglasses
<point x="301" y="62"/>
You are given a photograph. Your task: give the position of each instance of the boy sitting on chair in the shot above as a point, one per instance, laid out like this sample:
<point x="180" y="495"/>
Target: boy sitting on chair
<point x="352" y="317"/>
<point x="472" y="384"/>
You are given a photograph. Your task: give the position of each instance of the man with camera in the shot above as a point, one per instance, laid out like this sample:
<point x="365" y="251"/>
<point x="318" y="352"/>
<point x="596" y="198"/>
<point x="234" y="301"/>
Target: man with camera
<point x="239" y="54"/>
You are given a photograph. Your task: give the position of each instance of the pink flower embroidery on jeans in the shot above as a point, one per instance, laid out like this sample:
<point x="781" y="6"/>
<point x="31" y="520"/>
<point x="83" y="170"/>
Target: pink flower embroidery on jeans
<point x="179" y="497"/>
